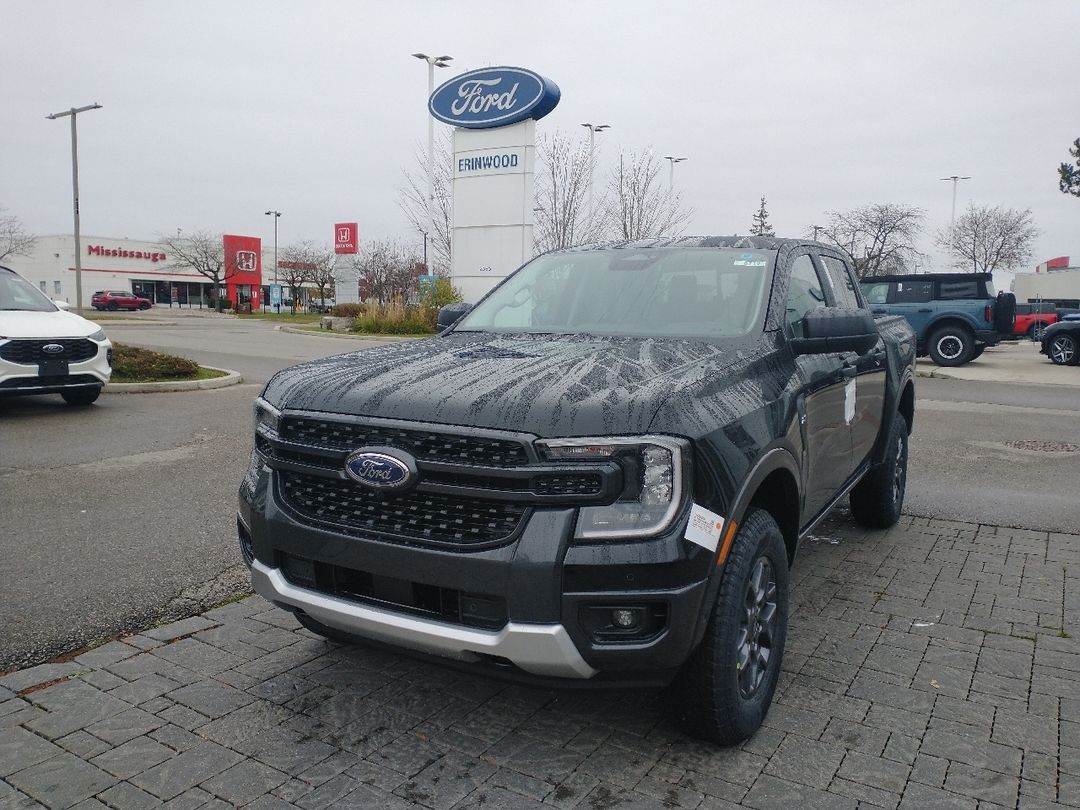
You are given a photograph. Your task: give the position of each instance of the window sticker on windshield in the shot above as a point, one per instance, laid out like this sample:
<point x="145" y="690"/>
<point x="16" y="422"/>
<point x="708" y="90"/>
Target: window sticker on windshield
<point x="849" y="401"/>
<point x="704" y="528"/>
<point x="748" y="260"/>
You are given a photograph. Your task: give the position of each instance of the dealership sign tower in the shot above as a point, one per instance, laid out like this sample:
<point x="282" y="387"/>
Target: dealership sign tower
<point x="494" y="111"/>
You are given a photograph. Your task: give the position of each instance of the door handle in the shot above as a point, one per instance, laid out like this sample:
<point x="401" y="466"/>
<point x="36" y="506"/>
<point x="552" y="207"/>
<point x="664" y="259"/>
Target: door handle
<point x="849" y="370"/>
<point x="878" y="312"/>
<point x="925" y="309"/>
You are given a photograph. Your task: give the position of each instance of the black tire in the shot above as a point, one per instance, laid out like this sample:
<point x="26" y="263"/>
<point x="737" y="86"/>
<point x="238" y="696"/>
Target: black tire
<point x="144" y="305"/>
<point x="113" y="307"/>
<point x="717" y="695"/>
<point x="1035" y="331"/>
<point x="1062" y="350"/>
<point x="876" y="501"/>
<point x="81" y="396"/>
<point x="951" y="346"/>
<point x="977" y="353"/>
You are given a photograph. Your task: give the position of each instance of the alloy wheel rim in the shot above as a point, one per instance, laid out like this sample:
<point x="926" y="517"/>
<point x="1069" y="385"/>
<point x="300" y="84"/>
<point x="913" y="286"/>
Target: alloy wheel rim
<point x="757" y="628"/>
<point x="950" y="347"/>
<point x="899" y="470"/>
<point x="1062" y="350"/>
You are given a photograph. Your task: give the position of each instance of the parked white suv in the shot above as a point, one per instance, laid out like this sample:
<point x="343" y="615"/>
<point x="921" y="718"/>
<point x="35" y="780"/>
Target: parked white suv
<point x="46" y="350"/>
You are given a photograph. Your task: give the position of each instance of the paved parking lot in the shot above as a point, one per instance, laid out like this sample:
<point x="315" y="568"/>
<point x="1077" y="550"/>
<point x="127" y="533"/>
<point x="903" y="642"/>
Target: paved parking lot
<point x="932" y="665"/>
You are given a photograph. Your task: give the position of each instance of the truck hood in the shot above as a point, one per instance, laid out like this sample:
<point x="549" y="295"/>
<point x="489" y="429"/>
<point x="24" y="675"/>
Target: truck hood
<point x="547" y="385"/>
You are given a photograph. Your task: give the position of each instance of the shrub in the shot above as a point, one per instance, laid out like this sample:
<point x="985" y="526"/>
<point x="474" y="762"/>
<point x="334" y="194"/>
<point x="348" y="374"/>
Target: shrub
<point x="132" y="364"/>
<point x="346" y="310"/>
<point x="439" y="294"/>
<point x="395" y="319"/>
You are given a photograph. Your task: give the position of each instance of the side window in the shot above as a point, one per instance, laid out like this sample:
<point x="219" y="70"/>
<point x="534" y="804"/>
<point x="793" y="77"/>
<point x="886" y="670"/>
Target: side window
<point x="843" y="286"/>
<point x="805" y="292"/>
<point x="876" y="293"/>
<point x="956" y="290"/>
<point x="913" y="292"/>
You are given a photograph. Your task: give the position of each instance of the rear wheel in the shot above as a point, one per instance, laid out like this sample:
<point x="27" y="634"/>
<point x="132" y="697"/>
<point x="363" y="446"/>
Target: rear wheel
<point x="951" y="346"/>
<point x="1036" y="331"/>
<point x="81" y="396"/>
<point x="1062" y="350"/>
<point x="877" y="499"/>
<point x="725" y="688"/>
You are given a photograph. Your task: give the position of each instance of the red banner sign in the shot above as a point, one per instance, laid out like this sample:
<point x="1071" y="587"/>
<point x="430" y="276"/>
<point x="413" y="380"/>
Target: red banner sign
<point x="346" y="237"/>
<point x="243" y="269"/>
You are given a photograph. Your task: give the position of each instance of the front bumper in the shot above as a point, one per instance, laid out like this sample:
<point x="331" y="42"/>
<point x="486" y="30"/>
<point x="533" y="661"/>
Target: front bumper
<point x="24" y="379"/>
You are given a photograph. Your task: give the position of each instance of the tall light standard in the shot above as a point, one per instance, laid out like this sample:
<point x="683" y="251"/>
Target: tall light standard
<point x="276" y="215"/>
<point x="672" y="160"/>
<point x="593" y="129"/>
<point x="956" y="178"/>
<point x="74" y="112"/>
<point x="432" y="63"/>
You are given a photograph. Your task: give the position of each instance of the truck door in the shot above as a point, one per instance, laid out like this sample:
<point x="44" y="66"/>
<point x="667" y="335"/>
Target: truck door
<point x="912" y="300"/>
<point x="826" y="434"/>
<point x="869" y="394"/>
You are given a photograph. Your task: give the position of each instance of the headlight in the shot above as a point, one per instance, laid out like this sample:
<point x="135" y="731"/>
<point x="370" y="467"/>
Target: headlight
<point x="98" y="335"/>
<point x="655" y="469"/>
<point x="266" y="418"/>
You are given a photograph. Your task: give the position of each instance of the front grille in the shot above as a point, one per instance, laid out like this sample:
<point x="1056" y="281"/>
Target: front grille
<point x="29" y="353"/>
<point x="65" y="380"/>
<point x="568" y="484"/>
<point x="432" y="601"/>
<point x="423" y="445"/>
<point x="423" y="518"/>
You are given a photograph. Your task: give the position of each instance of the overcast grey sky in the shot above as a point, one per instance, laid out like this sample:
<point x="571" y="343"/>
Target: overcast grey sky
<point x="217" y="111"/>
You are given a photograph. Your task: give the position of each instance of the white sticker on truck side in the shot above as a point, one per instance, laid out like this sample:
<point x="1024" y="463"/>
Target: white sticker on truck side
<point x="704" y="528"/>
<point x="849" y="401"/>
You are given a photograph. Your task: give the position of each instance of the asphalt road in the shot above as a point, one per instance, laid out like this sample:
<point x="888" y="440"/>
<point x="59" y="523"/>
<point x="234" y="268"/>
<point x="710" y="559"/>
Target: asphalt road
<point x="123" y="513"/>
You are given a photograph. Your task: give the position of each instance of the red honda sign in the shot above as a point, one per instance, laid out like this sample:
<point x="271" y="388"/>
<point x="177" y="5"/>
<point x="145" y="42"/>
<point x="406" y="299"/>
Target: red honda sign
<point x="243" y="269"/>
<point x="346" y="237"/>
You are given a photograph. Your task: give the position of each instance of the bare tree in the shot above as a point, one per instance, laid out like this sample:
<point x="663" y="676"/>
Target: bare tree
<point x="639" y="205"/>
<point x="387" y="270"/>
<point x="1068" y="176"/>
<point x="761" y="226"/>
<point x="988" y="238"/>
<point x="298" y="261"/>
<point x="15" y="240"/>
<point x="880" y="237"/>
<point x="203" y="252"/>
<point x="562" y="194"/>
<point x="321" y="275"/>
<point x="412" y="199"/>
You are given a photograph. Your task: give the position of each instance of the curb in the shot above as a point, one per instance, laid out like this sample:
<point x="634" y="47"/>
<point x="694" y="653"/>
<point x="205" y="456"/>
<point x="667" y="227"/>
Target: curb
<point x="230" y="378"/>
<point x="126" y="322"/>
<point x="350" y="335"/>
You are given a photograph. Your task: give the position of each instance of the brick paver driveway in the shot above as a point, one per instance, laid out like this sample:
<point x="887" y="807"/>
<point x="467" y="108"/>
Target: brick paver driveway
<point x="927" y="666"/>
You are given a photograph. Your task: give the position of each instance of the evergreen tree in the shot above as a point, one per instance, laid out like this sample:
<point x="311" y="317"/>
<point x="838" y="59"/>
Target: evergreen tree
<point x="761" y="226"/>
<point x="1069" y="176"/>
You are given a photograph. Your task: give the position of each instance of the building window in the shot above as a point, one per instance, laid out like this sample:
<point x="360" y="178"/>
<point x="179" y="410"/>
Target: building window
<point x="42" y="285"/>
<point x="56" y="287"/>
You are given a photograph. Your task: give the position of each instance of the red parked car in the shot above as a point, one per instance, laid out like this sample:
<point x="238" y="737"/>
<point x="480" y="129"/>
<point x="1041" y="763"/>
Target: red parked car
<point x="118" y="299"/>
<point x="1032" y="319"/>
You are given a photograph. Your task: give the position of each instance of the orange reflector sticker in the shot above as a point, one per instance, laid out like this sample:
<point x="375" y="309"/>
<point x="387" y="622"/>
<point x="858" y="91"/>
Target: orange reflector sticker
<point x="729" y="537"/>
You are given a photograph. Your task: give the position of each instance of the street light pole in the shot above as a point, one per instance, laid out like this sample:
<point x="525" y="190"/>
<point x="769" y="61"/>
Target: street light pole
<point x="593" y="129"/>
<point x="672" y="160"/>
<point x="74" y="112"/>
<point x="432" y="63"/>
<point x="955" y="179"/>
<point x="276" y="215"/>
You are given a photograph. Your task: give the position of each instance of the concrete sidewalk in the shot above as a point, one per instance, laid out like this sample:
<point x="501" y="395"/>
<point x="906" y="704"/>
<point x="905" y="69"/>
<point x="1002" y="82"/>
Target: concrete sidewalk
<point x="934" y="665"/>
<point x="1017" y="363"/>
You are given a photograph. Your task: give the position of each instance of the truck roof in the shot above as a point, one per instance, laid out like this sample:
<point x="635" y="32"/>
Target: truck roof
<point x="743" y="242"/>
<point x="929" y="277"/>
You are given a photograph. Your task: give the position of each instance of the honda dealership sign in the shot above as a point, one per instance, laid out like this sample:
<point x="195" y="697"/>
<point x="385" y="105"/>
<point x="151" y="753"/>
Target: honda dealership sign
<point x="345" y="237"/>
<point x="493" y="97"/>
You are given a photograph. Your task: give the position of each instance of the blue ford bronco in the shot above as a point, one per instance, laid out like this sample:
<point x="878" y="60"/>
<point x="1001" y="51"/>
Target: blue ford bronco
<point x="599" y="475"/>
<point x="955" y="315"/>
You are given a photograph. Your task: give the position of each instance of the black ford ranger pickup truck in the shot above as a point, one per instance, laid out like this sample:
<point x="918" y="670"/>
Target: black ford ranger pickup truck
<point x="599" y="475"/>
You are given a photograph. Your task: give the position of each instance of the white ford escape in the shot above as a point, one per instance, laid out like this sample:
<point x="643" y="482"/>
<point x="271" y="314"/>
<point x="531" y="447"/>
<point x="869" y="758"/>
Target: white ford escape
<point x="46" y="350"/>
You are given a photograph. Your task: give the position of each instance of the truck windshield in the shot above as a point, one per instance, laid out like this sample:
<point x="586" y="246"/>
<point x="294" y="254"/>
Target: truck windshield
<point x="656" y="292"/>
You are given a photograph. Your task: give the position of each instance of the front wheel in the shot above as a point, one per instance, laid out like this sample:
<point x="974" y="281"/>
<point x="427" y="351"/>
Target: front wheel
<point x="725" y="688"/>
<point x="113" y="307"/>
<point x="877" y="499"/>
<point x="1062" y="350"/>
<point x="81" y="396"/>
<point x="144" y="305"/>
<point x="951" y="346"/>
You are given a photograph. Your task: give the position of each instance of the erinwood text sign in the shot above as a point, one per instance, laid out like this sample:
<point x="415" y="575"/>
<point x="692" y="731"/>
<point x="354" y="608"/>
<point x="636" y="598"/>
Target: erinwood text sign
<point x="493" y="97"/>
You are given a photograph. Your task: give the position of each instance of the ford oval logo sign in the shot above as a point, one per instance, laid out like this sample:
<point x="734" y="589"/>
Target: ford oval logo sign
<point x="493" y="97"/>
<point x="381" y="468"/>
<point x="53" y="348"/>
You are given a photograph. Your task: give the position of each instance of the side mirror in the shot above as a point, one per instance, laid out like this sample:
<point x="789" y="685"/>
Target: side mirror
<point x="836" y="329"/>
<point x="451" y="314"/>
<point x="62" y="305"/>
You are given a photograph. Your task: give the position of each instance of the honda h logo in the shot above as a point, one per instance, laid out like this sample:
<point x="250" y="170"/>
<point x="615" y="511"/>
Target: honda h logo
<point x="245" y="260"/>
<point x="343" y="235"/>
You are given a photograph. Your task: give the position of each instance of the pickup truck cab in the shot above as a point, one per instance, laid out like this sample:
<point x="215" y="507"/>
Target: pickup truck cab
<point x="599" y="475"/>
<point x="955" y="315"/>
<point x="1032" y="319"/>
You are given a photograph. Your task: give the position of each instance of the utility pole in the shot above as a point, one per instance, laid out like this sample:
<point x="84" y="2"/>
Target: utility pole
<point x="74" y="112"/>
<point x="276" y="215"/>
<point x="956" y="178"/>
<point x="432" y="63"/>
<point x="593" y="129"/>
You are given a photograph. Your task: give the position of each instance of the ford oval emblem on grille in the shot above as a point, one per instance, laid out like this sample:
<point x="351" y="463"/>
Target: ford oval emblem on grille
<point x="381" y="468"/>
<point x="53" y="348"/>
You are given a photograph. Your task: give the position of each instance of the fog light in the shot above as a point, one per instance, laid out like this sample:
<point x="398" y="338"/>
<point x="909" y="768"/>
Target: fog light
<point x="625" y="619"/>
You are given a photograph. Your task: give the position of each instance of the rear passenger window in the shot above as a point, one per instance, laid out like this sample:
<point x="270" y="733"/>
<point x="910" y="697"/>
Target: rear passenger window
<point x="876" y="293"/>
<point x="805" y="292"/>
<point x="954" y="290"/>
<point x="843" y="286"/>
<point x="913" y="292"/>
